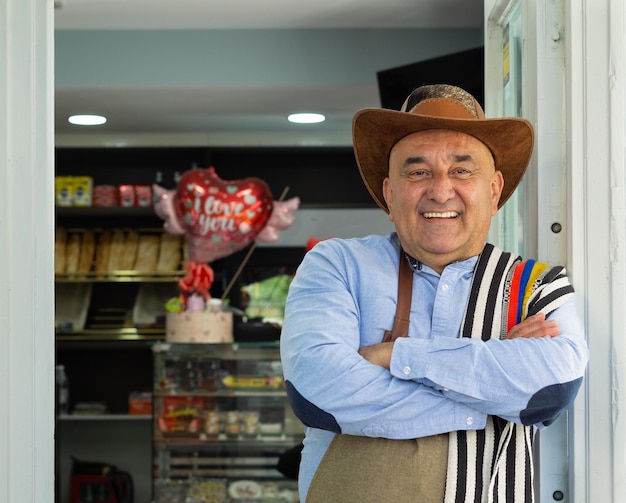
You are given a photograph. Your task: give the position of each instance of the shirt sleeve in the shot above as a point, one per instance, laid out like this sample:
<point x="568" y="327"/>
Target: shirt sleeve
<point x="330" y="386"/>
<point x="528" y="381"/>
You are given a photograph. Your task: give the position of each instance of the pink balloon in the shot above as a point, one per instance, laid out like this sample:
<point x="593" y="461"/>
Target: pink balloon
<point x="164" y="208"/>
<point x="220" y="217"/>
<point x="282" y="217"/>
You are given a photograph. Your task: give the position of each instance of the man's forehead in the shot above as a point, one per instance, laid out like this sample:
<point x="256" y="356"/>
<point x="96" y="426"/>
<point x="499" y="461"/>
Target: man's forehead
<point x="422" y="143"/>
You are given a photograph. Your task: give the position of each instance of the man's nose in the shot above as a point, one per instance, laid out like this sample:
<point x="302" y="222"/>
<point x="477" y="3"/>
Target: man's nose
<point x="441" y="188"/>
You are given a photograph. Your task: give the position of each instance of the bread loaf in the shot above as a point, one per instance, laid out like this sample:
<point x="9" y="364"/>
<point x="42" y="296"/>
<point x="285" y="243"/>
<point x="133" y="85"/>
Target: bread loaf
<point x="147" y="253"/>
<point x="87" y="251"/>
<point x="103" y="250"/>
<point x="129" y="255"/>
<point x="60" y="241"/>
<point x="117" y="251"/>
<point x="72" y="253"/>
<point x="170" y="254"/>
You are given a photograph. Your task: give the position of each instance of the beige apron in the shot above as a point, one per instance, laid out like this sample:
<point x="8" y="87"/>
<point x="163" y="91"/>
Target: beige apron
<point x="358" y="469"/>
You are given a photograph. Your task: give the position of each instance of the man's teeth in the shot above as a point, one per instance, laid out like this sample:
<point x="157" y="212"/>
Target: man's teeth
<point x="445" y="214"/>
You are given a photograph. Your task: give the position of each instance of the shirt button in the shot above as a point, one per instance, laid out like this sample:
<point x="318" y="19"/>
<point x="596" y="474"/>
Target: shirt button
<point x="445" y="287"/>
<point x="446" y="389"/>
<point x="470" y="421"/>
<point x="406" y="370"/>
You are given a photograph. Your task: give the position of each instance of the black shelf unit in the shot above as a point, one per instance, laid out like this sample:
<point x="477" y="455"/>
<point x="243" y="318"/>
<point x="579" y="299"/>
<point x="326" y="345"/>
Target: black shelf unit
<point x="108" y="365"/>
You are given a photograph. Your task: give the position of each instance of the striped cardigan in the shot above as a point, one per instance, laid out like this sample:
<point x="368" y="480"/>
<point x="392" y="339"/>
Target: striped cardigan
<point x="495" y="465"/>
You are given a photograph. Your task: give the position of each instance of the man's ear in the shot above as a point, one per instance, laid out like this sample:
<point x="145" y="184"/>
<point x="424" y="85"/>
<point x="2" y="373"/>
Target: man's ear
<point x="388" y="196"/>
<point x="497" y="184"/>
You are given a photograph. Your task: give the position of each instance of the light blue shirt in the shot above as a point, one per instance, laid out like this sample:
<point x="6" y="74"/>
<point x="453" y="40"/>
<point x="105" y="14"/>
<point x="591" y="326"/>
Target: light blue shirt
<point x="344" y="297"/>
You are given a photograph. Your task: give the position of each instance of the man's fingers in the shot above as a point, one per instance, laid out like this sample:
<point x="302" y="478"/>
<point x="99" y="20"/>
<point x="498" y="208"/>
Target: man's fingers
<point x="378" y="354"/>
<point x="535" y="326"/>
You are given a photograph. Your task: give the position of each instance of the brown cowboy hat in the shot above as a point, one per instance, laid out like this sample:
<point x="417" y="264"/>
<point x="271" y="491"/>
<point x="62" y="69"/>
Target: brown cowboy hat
<point x="375" y="131"/>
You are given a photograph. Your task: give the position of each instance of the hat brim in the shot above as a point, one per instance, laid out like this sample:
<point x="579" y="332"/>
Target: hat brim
<point x="375" y="131"/>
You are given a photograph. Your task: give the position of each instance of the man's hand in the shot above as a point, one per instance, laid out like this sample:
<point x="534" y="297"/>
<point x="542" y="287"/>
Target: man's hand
<point x="378" y="354"/>
<point x="535" y="326"/>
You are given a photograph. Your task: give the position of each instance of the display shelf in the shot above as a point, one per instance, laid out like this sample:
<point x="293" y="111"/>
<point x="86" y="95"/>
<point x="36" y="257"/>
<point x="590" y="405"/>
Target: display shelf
<point x="120" y="277"/>
<point x="104" y="417"/>
<point x="88" y="347"/>
<point x="226" y="351"/>
<point x="122" y="334"/>
<point x="226" y="393"/>
<point x="232" y="465"/>
<point x="221" y="412"/>
<point x="113" y="212"/>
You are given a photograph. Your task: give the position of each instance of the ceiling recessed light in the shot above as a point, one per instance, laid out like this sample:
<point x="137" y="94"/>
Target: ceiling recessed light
<point x="306" y="118"/>
<point x="87" y="120"/>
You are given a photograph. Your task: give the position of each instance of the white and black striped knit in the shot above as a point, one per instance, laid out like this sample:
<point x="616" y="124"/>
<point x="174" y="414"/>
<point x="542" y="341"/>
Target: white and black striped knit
<point x="495" y="465"/>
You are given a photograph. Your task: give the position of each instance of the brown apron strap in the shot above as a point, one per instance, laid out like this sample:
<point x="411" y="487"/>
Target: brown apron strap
<point x="403" y="309"/>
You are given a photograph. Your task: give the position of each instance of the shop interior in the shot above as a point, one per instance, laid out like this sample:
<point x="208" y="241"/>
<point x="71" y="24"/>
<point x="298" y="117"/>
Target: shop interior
<point x="186" y="89"/>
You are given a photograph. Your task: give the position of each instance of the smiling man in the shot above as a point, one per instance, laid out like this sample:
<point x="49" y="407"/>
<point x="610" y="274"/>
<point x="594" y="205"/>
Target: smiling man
<point x="422" y="362"/>
<point x="441" y="192"/>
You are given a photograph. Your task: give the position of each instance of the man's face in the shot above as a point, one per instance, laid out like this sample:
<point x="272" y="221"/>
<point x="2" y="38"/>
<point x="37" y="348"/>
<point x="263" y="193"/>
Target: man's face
<point x="442" y="191"/>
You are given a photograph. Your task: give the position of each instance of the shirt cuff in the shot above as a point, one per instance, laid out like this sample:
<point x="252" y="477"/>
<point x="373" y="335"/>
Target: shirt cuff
<point x="406" y="362"/>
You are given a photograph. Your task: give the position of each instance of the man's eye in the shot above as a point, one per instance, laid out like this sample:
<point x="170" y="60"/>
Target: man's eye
<point x="461" y="171"/>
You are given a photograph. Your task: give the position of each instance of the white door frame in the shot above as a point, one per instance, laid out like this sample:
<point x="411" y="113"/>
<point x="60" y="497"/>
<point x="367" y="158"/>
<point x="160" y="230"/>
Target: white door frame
<point x="545" y="236"/>
<point x="596" y="113"/>
<point x="588" y="119"/>
<point x="26" y="251"/>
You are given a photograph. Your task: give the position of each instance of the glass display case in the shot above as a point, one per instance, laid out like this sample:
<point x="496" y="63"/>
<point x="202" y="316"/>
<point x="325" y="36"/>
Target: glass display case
<point x="221" y="423"/>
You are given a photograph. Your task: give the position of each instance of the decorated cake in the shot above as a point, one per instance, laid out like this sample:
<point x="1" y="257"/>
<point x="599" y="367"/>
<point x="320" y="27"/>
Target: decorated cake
<point x="203" y="327"/>
<point x="195" y="317"/>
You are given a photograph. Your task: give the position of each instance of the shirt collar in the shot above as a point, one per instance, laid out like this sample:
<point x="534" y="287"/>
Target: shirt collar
<point x="462" y="265"/>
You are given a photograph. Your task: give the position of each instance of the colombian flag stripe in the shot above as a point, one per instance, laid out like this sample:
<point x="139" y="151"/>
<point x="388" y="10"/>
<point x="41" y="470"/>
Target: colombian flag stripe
<point x="538" y="269"/>
<point x="514" y="297"/>
<point x="526" y="272"/>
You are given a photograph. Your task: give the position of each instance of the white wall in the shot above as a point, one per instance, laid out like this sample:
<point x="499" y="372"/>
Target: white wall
<point x="596" y="112"/>
<point x="26" y="252"/>
<point x="339" y="223"/>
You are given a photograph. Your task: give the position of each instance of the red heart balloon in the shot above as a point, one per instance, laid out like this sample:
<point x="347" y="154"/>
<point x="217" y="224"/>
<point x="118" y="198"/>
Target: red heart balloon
<point x="219" y="216"/>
